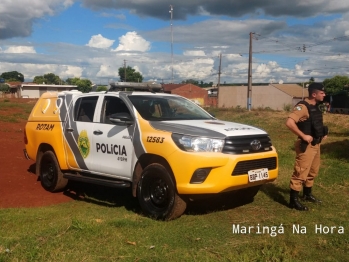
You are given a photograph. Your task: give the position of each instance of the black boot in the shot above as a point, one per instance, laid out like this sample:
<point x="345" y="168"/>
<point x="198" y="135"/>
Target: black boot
<point x="308" y="196"/>
<point x="294" y="201"/>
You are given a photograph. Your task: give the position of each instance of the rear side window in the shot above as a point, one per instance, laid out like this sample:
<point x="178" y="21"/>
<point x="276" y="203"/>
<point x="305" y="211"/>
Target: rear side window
<point x="84" y="108"/>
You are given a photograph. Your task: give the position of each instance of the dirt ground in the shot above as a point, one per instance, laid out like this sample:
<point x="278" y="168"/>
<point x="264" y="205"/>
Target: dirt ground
<point x="19" y="186"/>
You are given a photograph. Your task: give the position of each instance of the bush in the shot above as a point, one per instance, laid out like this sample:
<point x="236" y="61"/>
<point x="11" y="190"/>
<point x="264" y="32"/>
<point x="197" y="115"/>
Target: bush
<point x="101" y="88"/>
<point x="287" y="107"/>
<point x="4" y="88"/>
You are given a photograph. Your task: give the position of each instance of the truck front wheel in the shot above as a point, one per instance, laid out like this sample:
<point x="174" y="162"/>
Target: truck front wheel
<point x="51" y="175"/>
<point x="157" y="194"/>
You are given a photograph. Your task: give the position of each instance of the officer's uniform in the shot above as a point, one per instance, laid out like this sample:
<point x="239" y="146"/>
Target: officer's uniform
<point x="307" y="162"/>
<point x="308" y="118"/>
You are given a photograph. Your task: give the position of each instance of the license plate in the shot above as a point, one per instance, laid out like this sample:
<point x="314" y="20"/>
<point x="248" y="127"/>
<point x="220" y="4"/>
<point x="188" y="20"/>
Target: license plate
<point x="258" y="174"/>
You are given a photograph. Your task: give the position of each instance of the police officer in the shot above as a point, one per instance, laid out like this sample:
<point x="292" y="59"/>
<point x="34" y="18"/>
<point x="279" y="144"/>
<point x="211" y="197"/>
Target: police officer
<point x="306" y="122"/>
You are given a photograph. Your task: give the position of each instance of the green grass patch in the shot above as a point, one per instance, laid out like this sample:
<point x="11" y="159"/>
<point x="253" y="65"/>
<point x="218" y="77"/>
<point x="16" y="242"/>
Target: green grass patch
<point x="14" y="112"/>
<point x="107" y="225"/>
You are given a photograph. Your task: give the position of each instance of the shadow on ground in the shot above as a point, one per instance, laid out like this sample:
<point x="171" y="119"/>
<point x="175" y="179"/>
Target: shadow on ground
<point x="338" y="149"/>
<point x="276" y="193"/>
<point x="217" y="202"/>
<point x="122" y="197"/>
<point x="101" y="195"/>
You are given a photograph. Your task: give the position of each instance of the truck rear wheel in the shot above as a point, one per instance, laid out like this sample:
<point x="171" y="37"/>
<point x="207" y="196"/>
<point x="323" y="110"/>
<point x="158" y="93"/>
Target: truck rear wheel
<point x="157" y="194"/>
<point x="51" y="175"/>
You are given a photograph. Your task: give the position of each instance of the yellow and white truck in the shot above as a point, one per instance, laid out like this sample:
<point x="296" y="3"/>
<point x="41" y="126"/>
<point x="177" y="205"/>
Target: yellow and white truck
<point x="163" y="146"/>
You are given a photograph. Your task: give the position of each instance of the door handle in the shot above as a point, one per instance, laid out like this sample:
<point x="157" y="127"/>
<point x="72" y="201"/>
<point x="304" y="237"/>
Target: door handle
<point x="69" y="129"/>
<point x="97" y="132"/>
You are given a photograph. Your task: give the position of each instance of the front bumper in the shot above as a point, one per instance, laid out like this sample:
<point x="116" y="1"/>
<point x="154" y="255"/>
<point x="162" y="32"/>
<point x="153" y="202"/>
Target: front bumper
<point x="221" y="177"/>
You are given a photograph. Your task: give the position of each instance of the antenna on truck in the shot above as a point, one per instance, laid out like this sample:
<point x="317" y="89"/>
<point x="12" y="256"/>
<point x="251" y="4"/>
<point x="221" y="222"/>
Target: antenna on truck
<point x="134" y="86"/>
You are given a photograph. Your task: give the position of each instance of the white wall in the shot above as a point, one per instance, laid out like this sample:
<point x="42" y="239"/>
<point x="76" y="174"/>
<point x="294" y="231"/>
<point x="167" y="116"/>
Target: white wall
<point x="35" y="91"/>
<point x="262" y="96"/>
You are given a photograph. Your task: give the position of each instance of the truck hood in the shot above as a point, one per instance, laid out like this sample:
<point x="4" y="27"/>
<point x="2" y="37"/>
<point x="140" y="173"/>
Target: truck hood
<point x="208" y="128"/>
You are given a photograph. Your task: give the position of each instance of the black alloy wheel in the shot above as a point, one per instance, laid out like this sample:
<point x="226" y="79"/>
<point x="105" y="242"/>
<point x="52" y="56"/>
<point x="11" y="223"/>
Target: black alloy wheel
<point x="50" y="174"/>
<point x="157" y="194"/>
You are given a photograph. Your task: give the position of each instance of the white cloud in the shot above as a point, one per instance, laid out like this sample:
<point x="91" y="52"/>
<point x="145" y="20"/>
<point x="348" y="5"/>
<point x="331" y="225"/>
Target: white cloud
<point x="194" y="69"/>
<point x="19" y="49"/>
<point x="70" y="72"/>
<point x="132" y="42"/>
<point x="99" y="41"/>
<point x="194" y="53"/>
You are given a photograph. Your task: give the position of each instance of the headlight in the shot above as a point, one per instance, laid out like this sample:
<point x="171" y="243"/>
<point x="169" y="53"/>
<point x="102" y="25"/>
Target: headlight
<point x="198" y="144"/>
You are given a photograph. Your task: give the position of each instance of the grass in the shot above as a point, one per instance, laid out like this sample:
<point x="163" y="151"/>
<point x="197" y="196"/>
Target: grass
<point x="107" y="225"/>
<point x="13" y="111"/>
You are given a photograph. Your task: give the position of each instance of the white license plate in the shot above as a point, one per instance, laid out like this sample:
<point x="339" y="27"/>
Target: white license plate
<point x="258" y="174"/>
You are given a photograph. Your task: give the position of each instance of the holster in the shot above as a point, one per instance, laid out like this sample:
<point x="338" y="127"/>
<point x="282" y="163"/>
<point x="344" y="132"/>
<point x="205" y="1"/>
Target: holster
<point x="316" y="141"/>
<point x="303" y="145"/>
<point x="325" y="130"/>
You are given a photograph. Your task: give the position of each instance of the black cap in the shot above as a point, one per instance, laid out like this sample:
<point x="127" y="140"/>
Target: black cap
<point x="316" y="86"/>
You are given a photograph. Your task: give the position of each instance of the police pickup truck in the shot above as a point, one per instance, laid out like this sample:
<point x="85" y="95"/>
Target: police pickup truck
<point x="163" y="146"/>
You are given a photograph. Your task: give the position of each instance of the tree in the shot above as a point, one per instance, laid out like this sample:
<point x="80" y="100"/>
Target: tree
<point x="4" y="88"/>
<point x="336" y="84"/>
<point x="50" y="79"/>
<point x="39" y="80"/>
<point x="131" y="75"/>
<point x="190" y="81"/>
<point x="12" y="76"/>
<point x="101" y="88"/>
<point x="84" y="85"/>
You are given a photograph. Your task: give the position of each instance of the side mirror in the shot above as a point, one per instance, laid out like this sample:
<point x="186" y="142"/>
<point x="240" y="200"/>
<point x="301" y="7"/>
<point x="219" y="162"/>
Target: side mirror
<point x="121" y="119"/>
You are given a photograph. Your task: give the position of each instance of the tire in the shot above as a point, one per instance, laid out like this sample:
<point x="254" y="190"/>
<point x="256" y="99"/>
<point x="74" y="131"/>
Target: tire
<point x="51" y="176"/>
<point x="157" y="194"/>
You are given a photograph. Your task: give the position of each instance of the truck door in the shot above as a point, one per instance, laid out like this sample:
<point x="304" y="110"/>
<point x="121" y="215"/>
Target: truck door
<point x="78" y="132"/>
<point x="114" y="152"/>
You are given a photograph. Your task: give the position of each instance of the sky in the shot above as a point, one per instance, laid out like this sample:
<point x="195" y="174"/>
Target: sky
<point x="203" y="40"/>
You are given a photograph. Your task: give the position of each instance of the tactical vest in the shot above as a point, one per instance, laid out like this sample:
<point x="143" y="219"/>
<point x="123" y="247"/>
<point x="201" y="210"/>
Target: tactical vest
<point x="313" y="126"/>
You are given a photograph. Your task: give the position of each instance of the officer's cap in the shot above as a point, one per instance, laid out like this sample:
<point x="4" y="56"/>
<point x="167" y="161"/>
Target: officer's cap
<point x="315" y="86"/>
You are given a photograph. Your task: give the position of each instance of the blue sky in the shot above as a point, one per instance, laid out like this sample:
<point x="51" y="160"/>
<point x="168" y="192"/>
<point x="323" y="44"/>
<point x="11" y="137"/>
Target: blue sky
<point x="93" y="38"/>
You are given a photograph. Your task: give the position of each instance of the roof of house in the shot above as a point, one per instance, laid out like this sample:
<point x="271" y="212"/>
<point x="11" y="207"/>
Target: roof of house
<point x="14" y="84"/>
<point x="293" y="90"/>
<point x="44" y="85"/>
<point x="170" y="87"/>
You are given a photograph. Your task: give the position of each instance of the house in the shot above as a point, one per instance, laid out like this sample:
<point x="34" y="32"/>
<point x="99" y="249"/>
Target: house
<point x="13" y="88"/>
<point x="32" y="90"/>
<point x="193" y="92"/>
<point x="274" y="96"/>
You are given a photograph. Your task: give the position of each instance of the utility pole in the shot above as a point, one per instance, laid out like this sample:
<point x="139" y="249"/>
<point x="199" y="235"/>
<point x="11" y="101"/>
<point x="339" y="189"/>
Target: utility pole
<point x="125" y="70"/>
<point x="171" y="12"/>
<point x="219" y="76"/>
<point x="249" y="88"/>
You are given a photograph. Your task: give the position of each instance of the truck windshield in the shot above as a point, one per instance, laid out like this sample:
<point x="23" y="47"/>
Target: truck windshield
<point x="163" y="108"/>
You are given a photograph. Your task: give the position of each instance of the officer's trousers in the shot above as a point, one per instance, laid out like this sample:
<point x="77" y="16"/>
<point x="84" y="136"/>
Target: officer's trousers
<point x="306" y="166"/>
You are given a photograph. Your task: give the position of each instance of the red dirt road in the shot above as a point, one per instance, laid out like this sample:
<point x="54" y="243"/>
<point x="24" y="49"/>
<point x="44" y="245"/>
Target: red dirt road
<point x="19" y="186"/>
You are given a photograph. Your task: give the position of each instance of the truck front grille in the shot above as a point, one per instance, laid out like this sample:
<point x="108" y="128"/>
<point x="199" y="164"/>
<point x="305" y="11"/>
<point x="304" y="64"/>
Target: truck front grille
<point x="243" y="167"/>
<point x="247" y="144"/>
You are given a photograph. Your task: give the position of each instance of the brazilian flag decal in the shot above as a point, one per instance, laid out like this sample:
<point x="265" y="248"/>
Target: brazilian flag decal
<point x="84" y="144"/>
